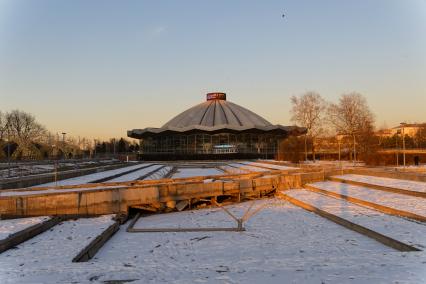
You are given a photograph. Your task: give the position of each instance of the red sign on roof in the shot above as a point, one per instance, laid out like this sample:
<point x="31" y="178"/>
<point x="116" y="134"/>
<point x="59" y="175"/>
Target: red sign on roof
<point x="216" y="96"/>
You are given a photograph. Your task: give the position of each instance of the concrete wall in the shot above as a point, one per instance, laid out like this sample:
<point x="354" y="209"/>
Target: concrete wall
<point x="118" y="199"/>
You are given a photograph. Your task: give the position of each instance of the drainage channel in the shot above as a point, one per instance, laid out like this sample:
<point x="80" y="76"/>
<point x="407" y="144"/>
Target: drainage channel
<point x="150" y="173"/>
<point x="120" y="174"/>
<point x="171" y="172"/>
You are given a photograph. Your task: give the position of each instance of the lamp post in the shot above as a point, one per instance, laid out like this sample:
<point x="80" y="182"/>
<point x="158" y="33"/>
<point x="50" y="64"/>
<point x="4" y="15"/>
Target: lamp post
<point x="55" y="176"/>
<point x="354" y="150"/>
<point x="8" y="151"/>
<point x="94" y="149"/>
<point x="339" y="138"/>
<point x="403" y="141"/>
<point x="63" y="143"/>
<point x="397" y="149"/>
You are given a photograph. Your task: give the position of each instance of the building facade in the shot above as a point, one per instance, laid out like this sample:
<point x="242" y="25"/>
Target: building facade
<point x="214" y="129"/>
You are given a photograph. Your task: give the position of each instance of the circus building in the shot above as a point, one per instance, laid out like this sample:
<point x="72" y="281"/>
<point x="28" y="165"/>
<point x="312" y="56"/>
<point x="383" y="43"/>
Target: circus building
<point x="214" y="129"/>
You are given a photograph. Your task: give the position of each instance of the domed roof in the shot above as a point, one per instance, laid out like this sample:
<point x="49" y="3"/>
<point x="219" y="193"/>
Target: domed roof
<point x="217" y="113"/>
<point x="213" y="116"/>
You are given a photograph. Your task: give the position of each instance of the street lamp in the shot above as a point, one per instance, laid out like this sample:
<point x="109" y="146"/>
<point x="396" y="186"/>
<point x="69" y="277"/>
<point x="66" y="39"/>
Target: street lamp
<point x="63" y="143"/>
<point x="403" y="124"/>
<point x="397" y="149"/>
<point x="339" y="138"/>
<point x="94" y="149"/>
<point x="8" y="151"/>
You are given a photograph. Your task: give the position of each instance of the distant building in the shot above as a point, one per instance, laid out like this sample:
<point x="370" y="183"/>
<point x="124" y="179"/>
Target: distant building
<point x="410" y="129"/>
<point x="214" y="129"/>
<point x="385" y="133"/>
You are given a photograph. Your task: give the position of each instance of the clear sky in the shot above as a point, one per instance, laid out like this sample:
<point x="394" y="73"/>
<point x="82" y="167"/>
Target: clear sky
<point x="98" y="68"/>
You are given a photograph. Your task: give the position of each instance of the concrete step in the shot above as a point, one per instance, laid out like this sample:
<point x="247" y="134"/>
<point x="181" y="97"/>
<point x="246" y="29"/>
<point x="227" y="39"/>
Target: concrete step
<point x="391" y="231"/>
<point x="390" y="203"/>
<point x="27" y="233"/>
<point x="411" y="188"/>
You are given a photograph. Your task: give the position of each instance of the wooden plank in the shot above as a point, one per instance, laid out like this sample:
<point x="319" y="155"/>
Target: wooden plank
<point x="390" y="242"/>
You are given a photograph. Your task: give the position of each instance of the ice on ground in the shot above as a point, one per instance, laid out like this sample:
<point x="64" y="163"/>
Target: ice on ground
<point x="11" y="226"/>
<point x="389" y="182"/>
<point x="47" y="257"/>
<point x="398" y="228"/>
<point x="192" y="172"/>
<point x="92" y="177"/>
<point x="269" y="166"/>
<point x="407" y="203"/>
<point x="135" y="175"/>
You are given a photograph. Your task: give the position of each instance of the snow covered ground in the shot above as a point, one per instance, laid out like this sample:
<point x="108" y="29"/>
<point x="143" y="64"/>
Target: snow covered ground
<point x="398" y="201"/>
<point x="56" y="190"/>
<point x="192" y="172"/>
<point x="269" y="166"/>
<point x="335" y="163"/>
<point x="92" y="177"/>
<point x="20" y="169"/>
<point x="233" y="170"/>
<point x="47" y="257"/>
<point x="136" y="175"/>
<point x="401" y="229"/>
<point x="389" y="182"/>
<point x="9" y="227"/>
<point x="282" y="244"/>
<point x="248" y="168"/>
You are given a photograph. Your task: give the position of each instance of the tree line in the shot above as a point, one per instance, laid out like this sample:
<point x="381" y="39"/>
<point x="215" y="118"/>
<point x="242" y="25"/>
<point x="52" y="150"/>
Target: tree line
<point x="347" y="125"/>
<point x="349" y="118"/>
<point x="23" y="137"/>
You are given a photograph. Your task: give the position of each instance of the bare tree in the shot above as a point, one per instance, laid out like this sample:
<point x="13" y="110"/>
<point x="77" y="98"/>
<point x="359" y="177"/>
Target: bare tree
<point x="3" y="126"/>
<point x="308" y="111"/>
<point x="25" y="131"/>
<point x="351" y="116"/>
<point x="23" y="126"/>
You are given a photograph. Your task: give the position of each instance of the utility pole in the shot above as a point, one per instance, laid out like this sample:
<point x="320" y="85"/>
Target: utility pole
<point x="8" y="151"/>
<point x="354" y="157"/>
<point x="94" y="149"/>
<point x="403" y="141"/>
<point x="306" y="147"/>
<point x="339" y="139"/>
<point x="397" y="149"/>
<point x="63" y="143"/>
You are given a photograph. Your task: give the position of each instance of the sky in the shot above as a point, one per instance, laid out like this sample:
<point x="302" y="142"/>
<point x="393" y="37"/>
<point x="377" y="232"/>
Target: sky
<point x="99" y="68"/>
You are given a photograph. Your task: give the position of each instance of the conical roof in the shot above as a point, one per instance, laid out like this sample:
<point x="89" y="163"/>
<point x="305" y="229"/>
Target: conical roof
<point x="213" y="116"/>
<point x="217" y="113"/>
